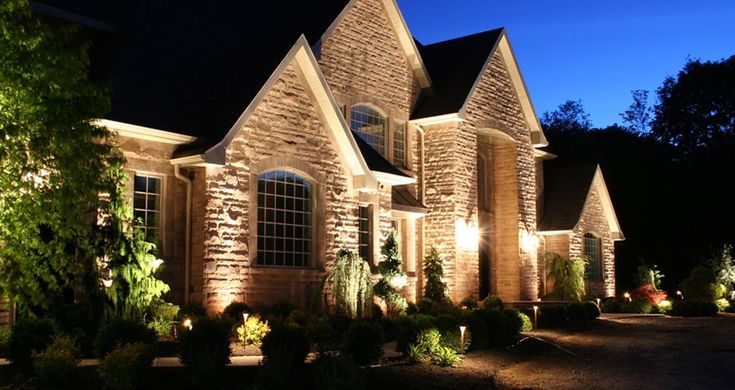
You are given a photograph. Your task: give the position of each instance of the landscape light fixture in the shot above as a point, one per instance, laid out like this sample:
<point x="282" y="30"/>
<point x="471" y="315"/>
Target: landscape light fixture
<point x="627" y="297"/>
<point x="535" y="317"/>
<point x="462" y="329"/>
<point x="107" y="283"/>
<point x="598" y="301"/>
<point x="245" y="316"/>
<point x="678" y="292"/>
<point x="188" y="324"/>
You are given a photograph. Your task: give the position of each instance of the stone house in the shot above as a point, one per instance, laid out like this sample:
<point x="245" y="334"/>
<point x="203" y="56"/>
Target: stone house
<point x="262" y="139"/>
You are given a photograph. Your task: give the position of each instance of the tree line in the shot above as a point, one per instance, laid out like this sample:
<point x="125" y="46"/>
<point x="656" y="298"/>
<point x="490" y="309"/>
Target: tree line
<point x="669" y="167"/>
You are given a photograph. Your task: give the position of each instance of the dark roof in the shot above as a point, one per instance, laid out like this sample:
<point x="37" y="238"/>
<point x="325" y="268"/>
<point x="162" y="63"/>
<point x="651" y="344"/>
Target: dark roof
<point x="403" y="200"/>
<point x="374" y="160"/>
<point x="453" y="66"/>
<point x="565" y="192"/>
<point x="191" y="66"/>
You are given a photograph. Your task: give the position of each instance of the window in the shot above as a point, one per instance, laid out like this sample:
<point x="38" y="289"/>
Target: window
<point x="370" y="125"/>
<point x="284" y="220"/>
<point x="593" y="255"/>
<point x="147" y="205"/>
<point x="399" y="144"/>
<point x="364" y="234"/>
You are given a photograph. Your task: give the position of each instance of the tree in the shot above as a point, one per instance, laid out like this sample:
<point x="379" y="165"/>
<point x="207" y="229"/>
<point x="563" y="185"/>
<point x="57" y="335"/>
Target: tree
<point x="696" y="110"/>
<point x="392" y="277"/>
<point x="351" y="285"/>
<point x="567" y="276"/>
<point x="53" y="161"/>
<point x="722" y="264"/>
<point x="436" y="289"/>
<point x="637" y="118"/>
<point x="570" y="117"/>
<point x="62" y="186"/>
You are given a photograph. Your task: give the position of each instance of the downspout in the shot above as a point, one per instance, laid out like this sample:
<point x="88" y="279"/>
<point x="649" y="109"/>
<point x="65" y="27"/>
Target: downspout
<point x="187" y="234"/>
<point x="422" y="195"/>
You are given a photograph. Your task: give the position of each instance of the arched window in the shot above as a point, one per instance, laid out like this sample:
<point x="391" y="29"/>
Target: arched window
<point x="370" y="125"/>
<point x="285" y="225"/>
<point x="592" y="251"/>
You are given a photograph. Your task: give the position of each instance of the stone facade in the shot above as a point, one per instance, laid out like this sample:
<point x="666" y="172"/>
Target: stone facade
<point x="362" y="62"/>
<point x="593" y="221"/>
<point x="284" y="131"/>
<point x="451" y="190"/>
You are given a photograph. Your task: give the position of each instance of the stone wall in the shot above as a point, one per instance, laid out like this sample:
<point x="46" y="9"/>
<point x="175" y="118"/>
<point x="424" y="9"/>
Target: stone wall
<point x="285" y="130"/>
<point x="495" y="105"/>
<point x="593" y="221"/>
<point x="363" y="62"/>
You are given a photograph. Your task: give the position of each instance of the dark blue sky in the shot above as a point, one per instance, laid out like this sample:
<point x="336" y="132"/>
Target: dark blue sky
<point x="594" y="50"/>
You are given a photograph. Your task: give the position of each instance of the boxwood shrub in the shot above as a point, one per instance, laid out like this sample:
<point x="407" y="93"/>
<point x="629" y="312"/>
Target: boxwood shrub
<point x="119" y="332"/>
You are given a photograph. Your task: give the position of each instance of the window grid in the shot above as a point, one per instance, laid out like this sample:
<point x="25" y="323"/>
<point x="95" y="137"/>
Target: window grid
<point x="147" y="206"/>
<point x="370" y="126"/>
<point x="284" y="220"/>
<point x="399" y="144"/>
<point x="592" y="253"/>
<point x="364" y="233"/>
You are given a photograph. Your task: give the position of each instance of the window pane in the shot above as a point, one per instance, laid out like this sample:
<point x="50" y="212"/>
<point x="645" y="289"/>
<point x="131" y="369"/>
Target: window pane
<point x="592" y="254"/>
<point x="140" y="183"/>
<point x="370" y="126"/>
<point x="283" y="218"/>
<point x="147" y="205"/>
<point x="399" y="144"/>
<point x="139" y="201"/>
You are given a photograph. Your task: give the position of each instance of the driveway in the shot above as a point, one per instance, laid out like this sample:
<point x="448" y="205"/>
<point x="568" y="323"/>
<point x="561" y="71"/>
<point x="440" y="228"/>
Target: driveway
<point x="625" y="352"/>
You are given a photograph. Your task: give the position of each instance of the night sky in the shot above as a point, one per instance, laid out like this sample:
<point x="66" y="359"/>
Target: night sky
<point x="597" y="51"/>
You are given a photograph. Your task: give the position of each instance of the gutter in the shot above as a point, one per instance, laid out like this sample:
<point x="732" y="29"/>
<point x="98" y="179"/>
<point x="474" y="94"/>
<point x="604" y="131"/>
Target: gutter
<point x="187" y="234"/>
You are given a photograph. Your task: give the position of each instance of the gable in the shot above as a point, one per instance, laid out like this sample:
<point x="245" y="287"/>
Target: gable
<point x="398" y="24"/>
<point x="567" y="195"/>
<point x="368" y="52"/>
<point x="459" y="66"/>
<point x="299" y="57"/>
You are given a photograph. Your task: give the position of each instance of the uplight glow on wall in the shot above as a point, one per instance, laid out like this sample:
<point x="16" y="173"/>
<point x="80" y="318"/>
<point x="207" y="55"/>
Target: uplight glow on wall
<point x="529" y="241"/>
<point x="467" y="234"/>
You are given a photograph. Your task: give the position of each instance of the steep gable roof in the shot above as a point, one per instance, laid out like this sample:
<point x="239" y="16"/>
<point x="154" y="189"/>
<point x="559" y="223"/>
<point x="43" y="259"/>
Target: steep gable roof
<point x="191" y="67"/>
<point x="454" y="66"/>
<point x="457" y="66"/>
<point x="566" y="189"/>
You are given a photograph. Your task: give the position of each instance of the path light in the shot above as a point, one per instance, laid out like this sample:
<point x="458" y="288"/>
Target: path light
<point x="598" y="302"/>
<point x="678" y="292"/>
<point x="627" y="297"/>
<point x="245" y="316"/>
<point x="107" y="283"/>
<point x="187" y="323"/>
<point x="462" y="329"/>
<point x="535" y="317"/>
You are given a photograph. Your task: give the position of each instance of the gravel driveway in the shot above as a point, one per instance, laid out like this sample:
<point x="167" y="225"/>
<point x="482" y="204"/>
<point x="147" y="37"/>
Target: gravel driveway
<point x="626" y="352"/>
